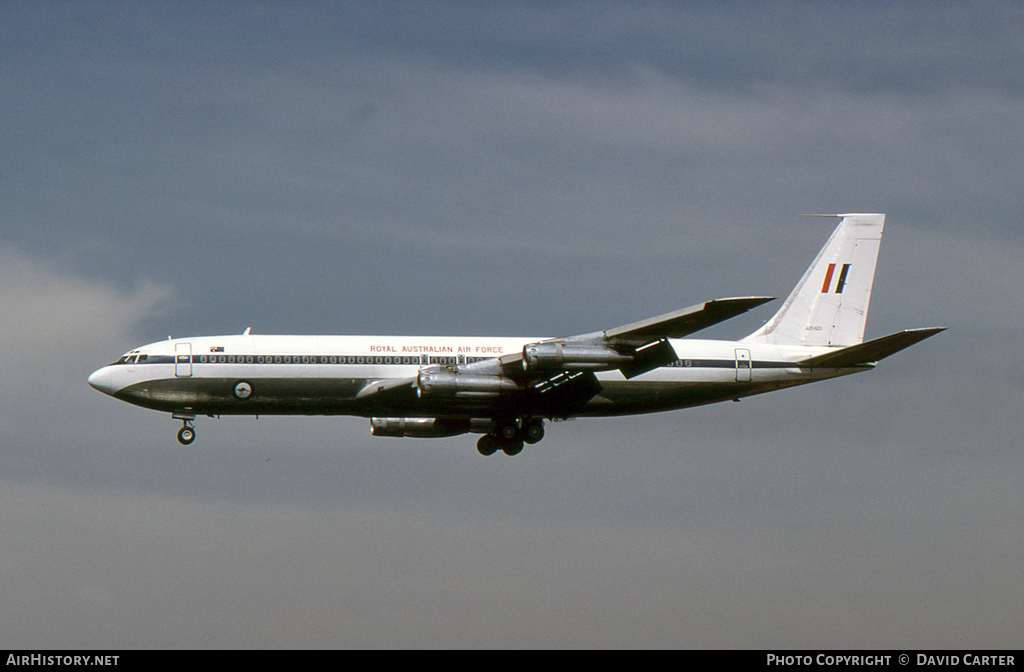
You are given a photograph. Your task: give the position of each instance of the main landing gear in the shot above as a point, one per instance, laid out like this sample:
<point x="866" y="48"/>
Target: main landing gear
<point x="187" y="433"/>
<point x="509" y="437"/>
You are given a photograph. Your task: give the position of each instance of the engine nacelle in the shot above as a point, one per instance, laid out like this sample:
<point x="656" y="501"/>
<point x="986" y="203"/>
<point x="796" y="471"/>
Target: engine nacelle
<point x="419" y="428"/>
<point x="445" y="383"/>
<point x="570" y="357"/>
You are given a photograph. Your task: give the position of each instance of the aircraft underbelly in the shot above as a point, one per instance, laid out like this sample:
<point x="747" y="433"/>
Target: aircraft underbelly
<point x="632" y="397"/>
<point x="337" y="396"/>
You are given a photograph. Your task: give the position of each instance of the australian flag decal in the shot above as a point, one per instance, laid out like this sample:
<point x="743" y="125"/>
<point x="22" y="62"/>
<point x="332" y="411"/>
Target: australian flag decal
<point x="840" y="283"/>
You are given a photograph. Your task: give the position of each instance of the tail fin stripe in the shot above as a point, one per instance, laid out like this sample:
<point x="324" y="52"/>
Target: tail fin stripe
<point x="828" y="278"/>
<point x="842" y="279"/>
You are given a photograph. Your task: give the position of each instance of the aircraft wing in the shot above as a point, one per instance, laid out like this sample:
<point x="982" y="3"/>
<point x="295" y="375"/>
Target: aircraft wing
<point x="632" y="348"/>
<point x="684" y="322"/>
<point x="870" y="352"/>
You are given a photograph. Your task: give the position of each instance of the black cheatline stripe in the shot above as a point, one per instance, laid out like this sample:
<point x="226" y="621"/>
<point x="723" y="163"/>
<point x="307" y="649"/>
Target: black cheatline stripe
<point x="726" y="364"/>
<point x="842" y="279"/>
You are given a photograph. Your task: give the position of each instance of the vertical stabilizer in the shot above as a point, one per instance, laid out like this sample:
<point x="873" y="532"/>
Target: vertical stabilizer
<point x="829" y="306"/>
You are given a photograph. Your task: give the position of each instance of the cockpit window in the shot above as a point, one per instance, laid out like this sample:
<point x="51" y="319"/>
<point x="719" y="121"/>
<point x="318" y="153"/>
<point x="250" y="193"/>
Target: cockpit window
<point x="132" y="357"/>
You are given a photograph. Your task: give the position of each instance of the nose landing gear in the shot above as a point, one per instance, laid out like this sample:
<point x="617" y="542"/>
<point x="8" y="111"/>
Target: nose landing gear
<point x="187" y="433"/>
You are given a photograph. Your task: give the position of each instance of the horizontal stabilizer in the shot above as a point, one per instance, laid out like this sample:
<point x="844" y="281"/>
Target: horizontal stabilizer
<point x="684" y="322"/>
<point x="871" y="351"/>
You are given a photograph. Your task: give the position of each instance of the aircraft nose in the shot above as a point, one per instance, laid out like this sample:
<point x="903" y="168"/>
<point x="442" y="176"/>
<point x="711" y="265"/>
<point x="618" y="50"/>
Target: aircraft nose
<point x="100" y="379"/>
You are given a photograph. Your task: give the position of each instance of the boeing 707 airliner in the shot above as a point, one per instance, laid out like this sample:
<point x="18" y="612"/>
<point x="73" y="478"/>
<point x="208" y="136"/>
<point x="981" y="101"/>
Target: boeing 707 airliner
<point x="505" y="388"/>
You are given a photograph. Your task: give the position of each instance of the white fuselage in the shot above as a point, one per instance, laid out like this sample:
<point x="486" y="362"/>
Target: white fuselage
<point x="321" y="375"/>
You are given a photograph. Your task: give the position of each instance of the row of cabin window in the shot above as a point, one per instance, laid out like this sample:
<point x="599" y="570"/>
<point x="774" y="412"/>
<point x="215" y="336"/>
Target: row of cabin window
<point x="325" y="359"/>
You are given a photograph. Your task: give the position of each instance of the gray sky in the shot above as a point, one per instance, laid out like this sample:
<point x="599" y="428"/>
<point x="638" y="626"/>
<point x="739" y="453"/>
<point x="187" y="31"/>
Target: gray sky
<point x="523" y="168"/>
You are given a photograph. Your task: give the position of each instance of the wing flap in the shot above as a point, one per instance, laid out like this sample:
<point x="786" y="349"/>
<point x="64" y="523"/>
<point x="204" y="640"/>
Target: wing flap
<point x="563" y="394"/>
<point x="871" y="351"/>
<point x="650" y="357"/>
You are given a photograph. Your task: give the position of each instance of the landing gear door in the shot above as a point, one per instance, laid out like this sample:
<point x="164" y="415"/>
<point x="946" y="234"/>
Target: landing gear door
<point x="183" y="360"/>
<point x="743" y="365"/>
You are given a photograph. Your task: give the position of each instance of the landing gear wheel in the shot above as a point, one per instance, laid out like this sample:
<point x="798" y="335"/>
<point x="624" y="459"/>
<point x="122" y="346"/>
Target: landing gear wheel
<point x="513" y="447"/>
<point x="508" y="432"/>
<point x="487" y="445"/>
<point x="533" y="432"/>
<point x="186" y="435"/>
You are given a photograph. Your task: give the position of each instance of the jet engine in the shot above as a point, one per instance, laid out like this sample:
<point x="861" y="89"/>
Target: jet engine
<point x="437" y="382"/>
<point x="419" y="428"/>
<point x="568" y="357"/>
